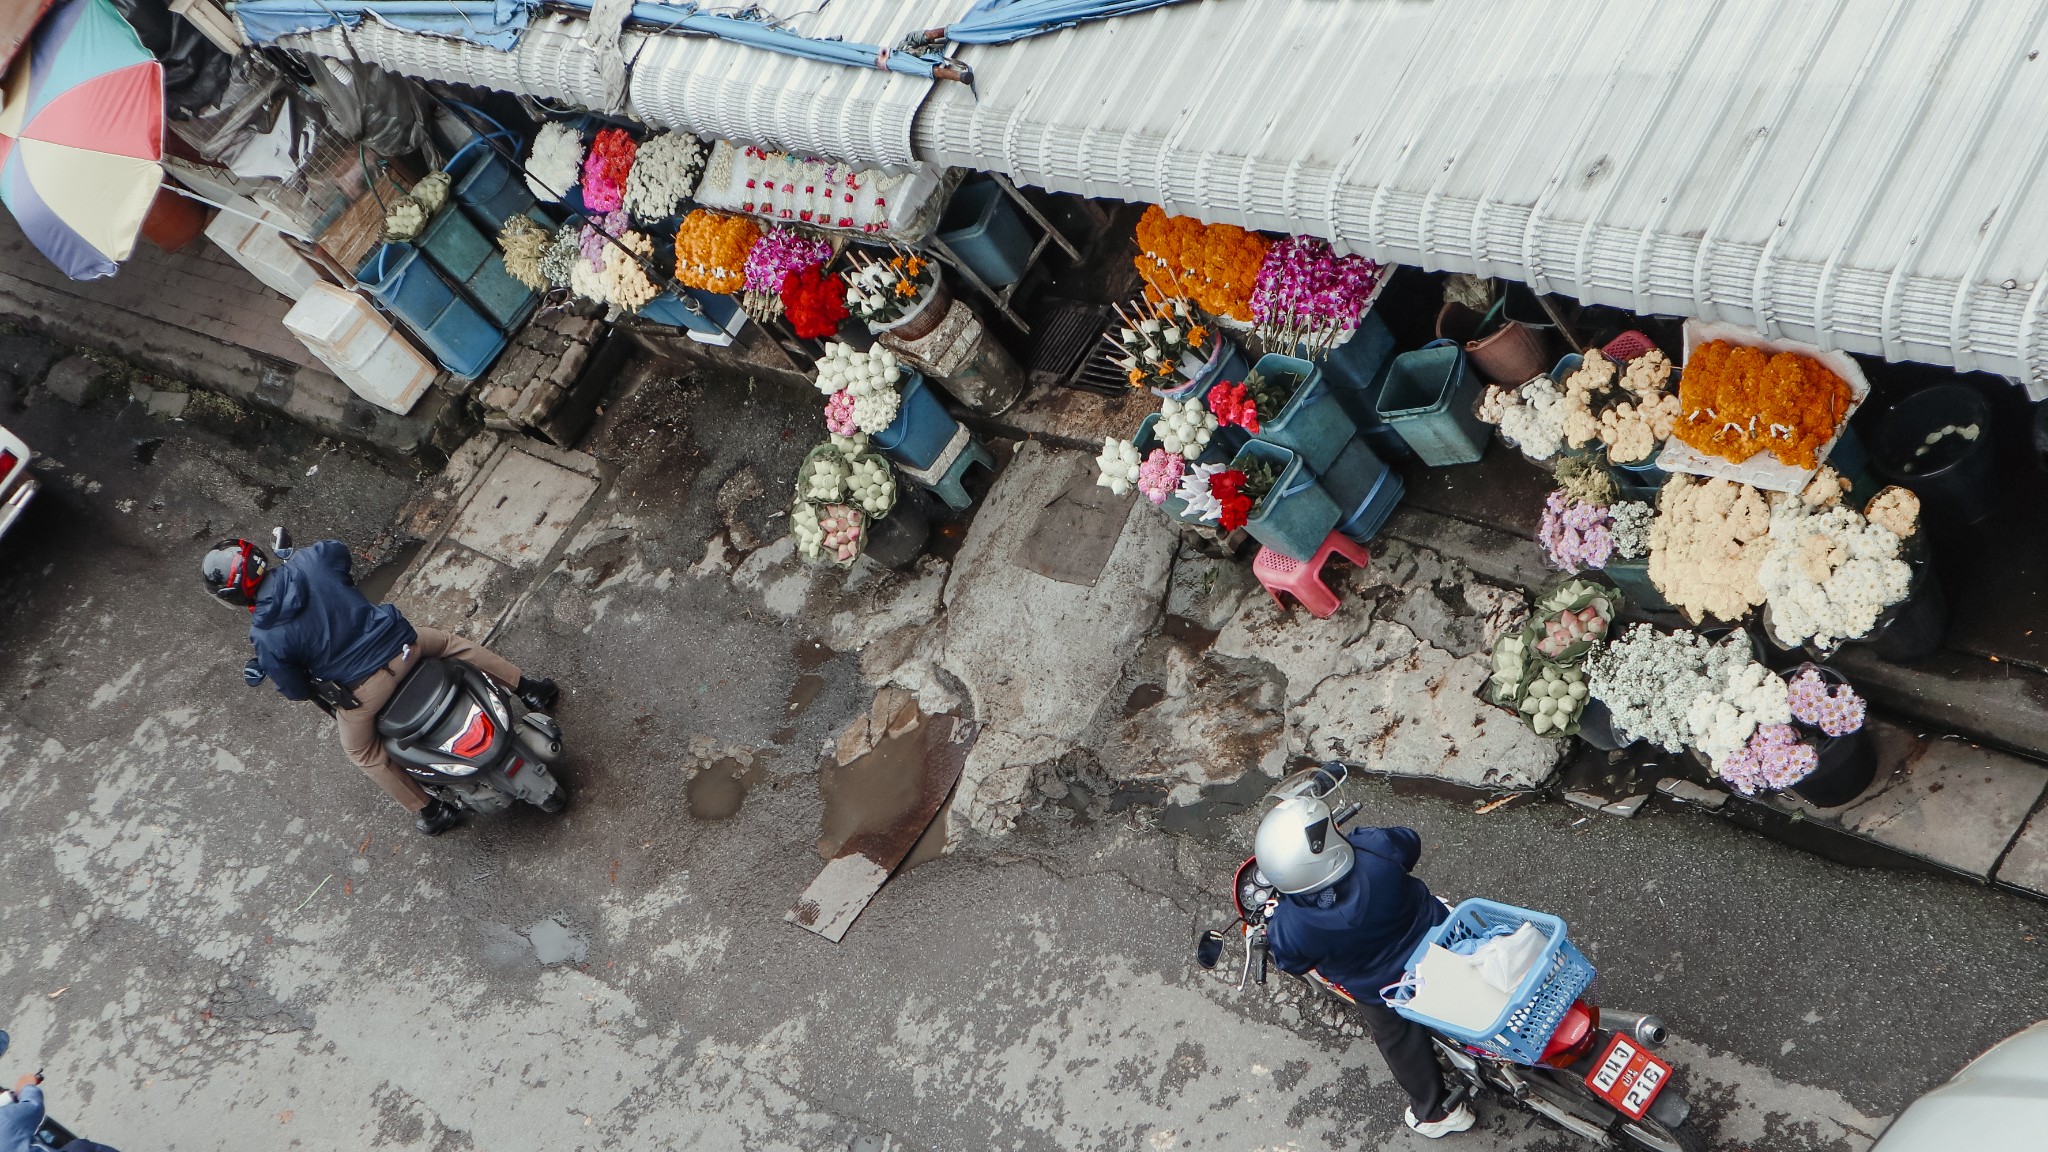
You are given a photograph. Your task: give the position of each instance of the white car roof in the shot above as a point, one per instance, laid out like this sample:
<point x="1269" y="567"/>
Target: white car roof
<point x="1999" y="1100"/>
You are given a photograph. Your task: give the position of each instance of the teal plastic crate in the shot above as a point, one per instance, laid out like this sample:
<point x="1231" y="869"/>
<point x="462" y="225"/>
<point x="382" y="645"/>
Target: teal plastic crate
<point x="1428" y="398"/>
<point x="1312" y="425"/>
<point x="1297" y="515"/>
<point x="488" y="186"/>
<point x="456" y="246"/>
<point x="1355" y="472"/>
<point x="984" y="229"/>
<point x="499" y="294"/>
<point x="414" y="292"/>
<point x="1369" y="515"/>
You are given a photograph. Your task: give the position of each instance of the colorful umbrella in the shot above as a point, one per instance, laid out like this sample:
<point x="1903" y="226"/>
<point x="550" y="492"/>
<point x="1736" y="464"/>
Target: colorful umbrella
<point x="81" y="135"/>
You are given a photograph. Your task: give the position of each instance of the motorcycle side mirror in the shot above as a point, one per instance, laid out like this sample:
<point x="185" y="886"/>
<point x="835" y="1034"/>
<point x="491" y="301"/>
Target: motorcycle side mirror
<point x="1208" y="950"/>
<point x="3" y="1042"/>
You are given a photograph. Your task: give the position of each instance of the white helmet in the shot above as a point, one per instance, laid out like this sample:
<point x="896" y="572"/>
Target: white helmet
<point x="1300" y="849"/>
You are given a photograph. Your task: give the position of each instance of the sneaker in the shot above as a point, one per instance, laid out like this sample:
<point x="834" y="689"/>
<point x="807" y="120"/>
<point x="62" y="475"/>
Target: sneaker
<point x="438" y="817"/>
<point x="1458" y="1120"/>
<point x="539" y="693"/>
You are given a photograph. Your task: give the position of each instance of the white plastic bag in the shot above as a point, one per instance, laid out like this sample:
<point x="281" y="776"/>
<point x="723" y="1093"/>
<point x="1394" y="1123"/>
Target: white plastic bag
<point x="1504" y="961"/>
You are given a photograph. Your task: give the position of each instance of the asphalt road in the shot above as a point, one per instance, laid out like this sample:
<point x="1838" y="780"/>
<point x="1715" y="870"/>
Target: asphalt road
<point x="221" y="937"/>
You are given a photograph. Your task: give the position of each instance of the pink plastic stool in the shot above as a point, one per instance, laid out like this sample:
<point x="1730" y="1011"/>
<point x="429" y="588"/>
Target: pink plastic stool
<point x="1279" y="573"/>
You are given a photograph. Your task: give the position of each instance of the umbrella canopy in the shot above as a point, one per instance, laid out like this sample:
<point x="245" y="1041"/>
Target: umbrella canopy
<point x="81" y="137"/>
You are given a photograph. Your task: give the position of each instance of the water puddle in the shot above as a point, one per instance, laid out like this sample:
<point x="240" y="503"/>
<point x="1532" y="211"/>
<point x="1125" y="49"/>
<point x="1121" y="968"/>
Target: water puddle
<point x="377" y="585"/>
<point x="1209" y="818"/>
<point x="1142" y="697"/>
<point x="556" y="943"/>
<point x="1186" y="631"/>
<point x="811" y="655"/>
<point x="873" y="793"/>
<point x="717" y="790"/>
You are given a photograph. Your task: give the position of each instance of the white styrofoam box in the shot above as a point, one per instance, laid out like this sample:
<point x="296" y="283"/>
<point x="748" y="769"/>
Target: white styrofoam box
<point x="330" y="319"/>
<point x="394" y="376"/>
<point x="260" y="249"/>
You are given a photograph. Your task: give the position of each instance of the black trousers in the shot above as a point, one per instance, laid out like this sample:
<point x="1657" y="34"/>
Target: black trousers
<point x="1406" y="1046"/>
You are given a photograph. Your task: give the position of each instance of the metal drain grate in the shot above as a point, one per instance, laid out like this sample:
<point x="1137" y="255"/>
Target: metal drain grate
<point x="1069" y="350"/>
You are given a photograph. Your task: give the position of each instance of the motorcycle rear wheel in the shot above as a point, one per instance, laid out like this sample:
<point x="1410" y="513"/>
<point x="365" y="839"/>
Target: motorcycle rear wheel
<point x="557" y="802"/>
<point x="1651" y="1136"/>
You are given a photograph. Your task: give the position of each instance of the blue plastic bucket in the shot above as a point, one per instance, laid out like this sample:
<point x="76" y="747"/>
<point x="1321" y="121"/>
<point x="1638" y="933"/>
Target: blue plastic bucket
<point x="1427" y="399"/>
<point x="1312" y="424"/>
<point x="983" y="229"/>
<point x="1230" y="365"/>
<point x="1353" y="474"/>
<point x="922" y="427"/>
<point x="407" y="285"/>
<point x="1297" y="515"/>
<point x="1365" y="520"/>
<point x="1217" y="451"/>
<point x="1357" y="368"/>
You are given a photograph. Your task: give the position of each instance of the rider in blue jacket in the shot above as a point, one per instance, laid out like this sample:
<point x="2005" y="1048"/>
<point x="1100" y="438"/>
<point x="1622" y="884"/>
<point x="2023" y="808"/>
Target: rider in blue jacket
<point x="1350" y="909"/>
<point x="318" y="637"/>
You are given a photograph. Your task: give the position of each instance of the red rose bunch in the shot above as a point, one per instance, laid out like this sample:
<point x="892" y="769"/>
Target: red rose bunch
<point x="814" y="301"/>
<point x="1227" y="487"/>
<point x="1232" y="407"/>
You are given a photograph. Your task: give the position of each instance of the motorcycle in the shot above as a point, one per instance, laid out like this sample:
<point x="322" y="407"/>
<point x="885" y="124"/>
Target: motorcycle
<point x="49" y="1132"/>
<point x="1599" y="1076"/>
<point x="471" y="741"/>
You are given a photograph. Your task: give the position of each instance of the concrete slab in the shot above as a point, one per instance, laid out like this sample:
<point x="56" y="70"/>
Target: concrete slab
<point x="1947" y="801"/>
<point x="2026" y="862"/>
<point x="1039" y="657"/>
<point x="458" y="589"/>
<point x="520" y="511"/>
<point x="77" y="381"/>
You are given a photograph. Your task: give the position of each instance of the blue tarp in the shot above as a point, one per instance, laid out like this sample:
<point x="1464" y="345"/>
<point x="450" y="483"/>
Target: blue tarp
<point x="1001" y="21"/>
<point x="496" y="23"/>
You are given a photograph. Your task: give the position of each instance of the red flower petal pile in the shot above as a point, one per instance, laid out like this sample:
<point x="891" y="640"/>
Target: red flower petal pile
<point x="814" y="302"/>
<point x="1231" y="406"/>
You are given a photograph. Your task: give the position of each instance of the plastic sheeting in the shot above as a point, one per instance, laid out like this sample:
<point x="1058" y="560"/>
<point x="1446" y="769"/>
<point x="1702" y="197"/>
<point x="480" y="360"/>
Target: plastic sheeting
<point x="494" y="23"/>
<point x="1001" y="21"/>
<point x="552" y="60"/>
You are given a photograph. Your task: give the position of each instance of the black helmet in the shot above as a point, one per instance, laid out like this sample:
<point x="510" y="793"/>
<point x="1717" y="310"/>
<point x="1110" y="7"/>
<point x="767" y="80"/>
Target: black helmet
<point x="234" y="570"/>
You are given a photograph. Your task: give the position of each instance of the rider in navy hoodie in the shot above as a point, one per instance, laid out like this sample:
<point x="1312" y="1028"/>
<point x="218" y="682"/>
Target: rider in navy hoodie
<point x="1357" y="930"/>
<point x="309" y="622"/>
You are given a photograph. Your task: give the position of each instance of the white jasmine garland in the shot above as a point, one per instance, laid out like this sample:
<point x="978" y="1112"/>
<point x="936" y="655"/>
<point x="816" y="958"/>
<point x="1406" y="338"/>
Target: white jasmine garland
<point x="556" y="163"/>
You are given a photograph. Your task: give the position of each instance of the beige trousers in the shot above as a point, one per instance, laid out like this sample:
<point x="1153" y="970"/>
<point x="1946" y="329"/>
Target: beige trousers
<point x="359" y="724"/>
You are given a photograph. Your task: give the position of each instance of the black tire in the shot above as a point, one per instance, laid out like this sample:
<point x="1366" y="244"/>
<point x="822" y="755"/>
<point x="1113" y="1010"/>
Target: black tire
<point x="1651" y="1136"/>
<point x="557" y="802"/>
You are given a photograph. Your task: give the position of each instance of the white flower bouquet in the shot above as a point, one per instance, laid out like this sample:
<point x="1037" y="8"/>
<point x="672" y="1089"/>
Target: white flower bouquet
<point x="555" y="164"/>
<point x="1828" y="574"/>
<point x="664" y="174"/>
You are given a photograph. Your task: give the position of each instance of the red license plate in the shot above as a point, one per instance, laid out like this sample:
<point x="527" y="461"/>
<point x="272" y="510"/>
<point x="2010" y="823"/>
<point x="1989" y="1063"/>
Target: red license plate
<point x="1629" y="1077"/>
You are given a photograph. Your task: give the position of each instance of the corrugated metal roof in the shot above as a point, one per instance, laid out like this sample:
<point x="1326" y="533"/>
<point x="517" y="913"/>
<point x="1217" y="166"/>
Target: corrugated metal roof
<point x="551" y="62"/>
<point x="694" y="84"/>
<point x="745" y="94"/>
<point x="1862" y="174"/>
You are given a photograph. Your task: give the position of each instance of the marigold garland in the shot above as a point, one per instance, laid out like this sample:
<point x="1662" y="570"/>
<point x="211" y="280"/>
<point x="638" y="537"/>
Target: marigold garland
<point x="1216" y="265"/>
<point x="1735" y="401"/>
<point x="711" y="250"/>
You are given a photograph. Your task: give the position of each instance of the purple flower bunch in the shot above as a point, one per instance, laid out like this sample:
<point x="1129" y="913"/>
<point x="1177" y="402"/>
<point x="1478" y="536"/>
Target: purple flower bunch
<point x="1303" y="282"/>
<point x="1773" y="758"/>
<point x="779" y="252"/>
<point x="593" y="243"/>
<point x="1576" y="534"/>
<point x="1834" y="709"/>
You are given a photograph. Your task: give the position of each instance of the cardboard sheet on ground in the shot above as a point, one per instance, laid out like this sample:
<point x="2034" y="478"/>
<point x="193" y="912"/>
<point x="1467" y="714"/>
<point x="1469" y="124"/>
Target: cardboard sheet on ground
<point x="923" y="755"/>
<point x="1073" y="537"/>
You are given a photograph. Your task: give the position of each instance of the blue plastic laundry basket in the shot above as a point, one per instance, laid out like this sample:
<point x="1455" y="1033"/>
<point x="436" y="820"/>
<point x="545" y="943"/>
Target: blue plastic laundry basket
<point x="1537" y="1006"/>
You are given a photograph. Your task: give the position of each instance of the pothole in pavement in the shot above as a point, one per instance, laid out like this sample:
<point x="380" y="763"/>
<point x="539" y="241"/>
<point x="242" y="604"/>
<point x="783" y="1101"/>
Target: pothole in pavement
<point x="557" y="943"/>
<point x="718" y="790"/>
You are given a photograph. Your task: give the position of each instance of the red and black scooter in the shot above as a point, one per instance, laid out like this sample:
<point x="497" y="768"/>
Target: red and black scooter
<point x="1599" y="1077"/>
